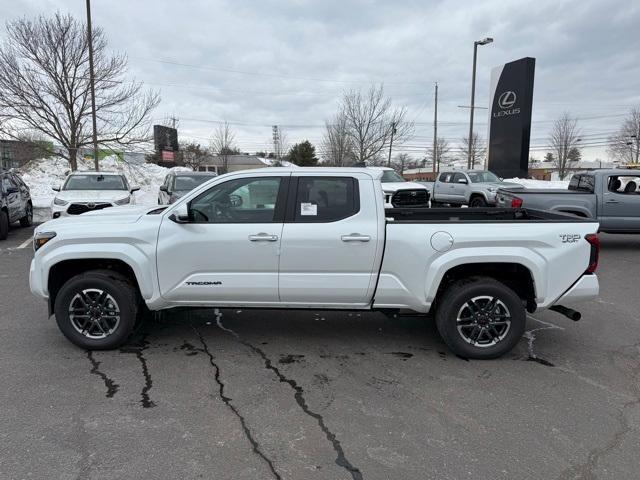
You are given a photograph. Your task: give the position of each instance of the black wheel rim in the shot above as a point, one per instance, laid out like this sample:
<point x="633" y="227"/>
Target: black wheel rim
<point x="94" y="313"/>
<point x="483" y="321"/>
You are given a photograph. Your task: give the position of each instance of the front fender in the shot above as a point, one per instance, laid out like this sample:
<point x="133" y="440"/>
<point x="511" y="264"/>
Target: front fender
<point x="142" y="267"/>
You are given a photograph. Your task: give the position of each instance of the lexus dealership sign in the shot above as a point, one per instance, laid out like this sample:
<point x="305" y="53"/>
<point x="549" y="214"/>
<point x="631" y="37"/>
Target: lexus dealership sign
<point x="510" y="118"/>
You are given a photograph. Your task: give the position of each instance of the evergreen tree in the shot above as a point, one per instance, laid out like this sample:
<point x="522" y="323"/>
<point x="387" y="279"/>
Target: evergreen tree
<point x="303" y="154"/>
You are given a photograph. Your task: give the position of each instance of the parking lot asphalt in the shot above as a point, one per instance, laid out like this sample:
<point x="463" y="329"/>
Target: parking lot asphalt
<point x="249" y="394"/>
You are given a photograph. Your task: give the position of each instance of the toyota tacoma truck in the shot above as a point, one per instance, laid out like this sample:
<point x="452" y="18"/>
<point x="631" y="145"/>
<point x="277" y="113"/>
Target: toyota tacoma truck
<point x="610" y="197"/>
<point x="313" y="238"/>
<point x="399" y="193"/>
<point x="475" y="188"/>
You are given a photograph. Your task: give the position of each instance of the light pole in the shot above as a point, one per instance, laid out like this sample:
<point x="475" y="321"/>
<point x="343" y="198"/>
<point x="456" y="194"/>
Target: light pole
<point x="393" y="132"/>
<point x="484" y="41"/>
<point x="93" y="88"/>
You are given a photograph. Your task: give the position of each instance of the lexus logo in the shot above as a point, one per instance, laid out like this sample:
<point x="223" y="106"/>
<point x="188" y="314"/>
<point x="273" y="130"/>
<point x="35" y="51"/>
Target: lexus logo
<point x="507" y="100"/>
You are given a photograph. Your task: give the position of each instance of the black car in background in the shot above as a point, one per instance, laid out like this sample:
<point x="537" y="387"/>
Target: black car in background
<point x="176" y="184"/>
<point x="15" y="202"/>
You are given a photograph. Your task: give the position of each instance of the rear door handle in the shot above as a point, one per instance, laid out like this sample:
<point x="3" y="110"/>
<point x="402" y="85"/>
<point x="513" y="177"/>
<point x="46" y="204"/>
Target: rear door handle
<point x="612" y="201"/>
<point x="263" y="237"/>
<point x="355" y="237"/>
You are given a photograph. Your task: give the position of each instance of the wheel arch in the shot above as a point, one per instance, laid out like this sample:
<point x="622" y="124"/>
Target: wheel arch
<point x="514" y="275"/>
<point x="64" y="270"/>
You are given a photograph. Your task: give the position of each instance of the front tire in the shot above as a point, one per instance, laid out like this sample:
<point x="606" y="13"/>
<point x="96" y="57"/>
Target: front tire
<point x="97" y="310"/>
<point x="27" y="220"/>
<point x="480" y="318"/>
<point x="478" y="202"/>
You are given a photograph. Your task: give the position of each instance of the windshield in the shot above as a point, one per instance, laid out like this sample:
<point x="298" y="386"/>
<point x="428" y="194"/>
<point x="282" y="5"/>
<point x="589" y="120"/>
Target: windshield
<point x="184" y="183"/>
<point x="389" y="176"/>
<point x="483" y="177"/>
<point x="95" y="182"/>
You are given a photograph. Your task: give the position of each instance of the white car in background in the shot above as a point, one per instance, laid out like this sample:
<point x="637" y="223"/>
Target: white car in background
<point x="398" y="193"/>
<point x="84" y="192"/>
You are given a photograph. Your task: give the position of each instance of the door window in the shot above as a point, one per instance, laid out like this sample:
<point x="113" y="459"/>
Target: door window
<point x="445" y="177"/>
<point x="456" y="177"/>
<point x="245" y="200"/>
<point x="326" y="199"/>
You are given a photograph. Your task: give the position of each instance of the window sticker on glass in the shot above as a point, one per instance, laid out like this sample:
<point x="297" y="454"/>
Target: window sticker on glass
<point x="308" y="209"/>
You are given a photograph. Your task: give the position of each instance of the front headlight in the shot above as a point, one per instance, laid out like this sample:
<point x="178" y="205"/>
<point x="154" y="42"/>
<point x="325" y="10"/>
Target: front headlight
<point x="123" y="201"/>
<point x="40" y="238"/>
<point x="492" y="189"/>
<point x="60" y="202"/>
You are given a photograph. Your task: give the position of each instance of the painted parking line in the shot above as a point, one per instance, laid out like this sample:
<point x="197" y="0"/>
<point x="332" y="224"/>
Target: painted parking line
<point x="26" y="243"/>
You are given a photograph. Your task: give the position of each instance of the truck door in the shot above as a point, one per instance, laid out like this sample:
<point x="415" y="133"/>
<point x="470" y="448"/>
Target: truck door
<point x="442" y="188"/>
<point x="459" y="190"/>
<point x="227" y="253"/>
<point x="330" y="241"/>
<point x="621" y="203"/>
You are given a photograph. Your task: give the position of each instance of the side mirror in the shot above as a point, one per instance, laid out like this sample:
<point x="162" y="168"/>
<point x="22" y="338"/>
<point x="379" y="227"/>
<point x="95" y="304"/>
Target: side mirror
<point x="11" y="190"/>
<point x="180" y="214"/>
<point x="55" y="188"/>
<point x="135" y="188"/>
<point x="463" y="180"/>
<point x="163" y="188"/>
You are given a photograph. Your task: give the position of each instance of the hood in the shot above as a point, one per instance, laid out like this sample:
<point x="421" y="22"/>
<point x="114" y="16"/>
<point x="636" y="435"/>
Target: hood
<point x="115" y="215"/>
<point x="395" y="186"/>
<point x="92" y="195"/>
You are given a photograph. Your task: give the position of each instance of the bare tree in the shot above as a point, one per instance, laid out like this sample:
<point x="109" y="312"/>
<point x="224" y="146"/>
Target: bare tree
<point x="337" y="146"/>
<point x="44" y="87"/>
<point x="223" y="144"/>
<point x="371" y="120"/>
<point x="477" y="149"/>
<point x="193" y="155"/>
<point x="441" y="153"/>
<point x="625" y="144"/>
<point x="401" y="162"/>
<point x="564" y="140"/>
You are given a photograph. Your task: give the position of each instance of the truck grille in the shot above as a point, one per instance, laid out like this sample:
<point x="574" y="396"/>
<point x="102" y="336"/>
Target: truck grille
<point x="78" y="208"/>
<point x="410" y="198"/>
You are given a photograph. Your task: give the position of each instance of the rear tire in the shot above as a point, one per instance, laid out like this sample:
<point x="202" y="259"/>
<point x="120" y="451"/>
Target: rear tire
<point x="97" y="310"/>
<point x="4" y="225"/>
<point x="27" y="220"/>
<point x="480" y="318"/>
<point x="478" y="202"/>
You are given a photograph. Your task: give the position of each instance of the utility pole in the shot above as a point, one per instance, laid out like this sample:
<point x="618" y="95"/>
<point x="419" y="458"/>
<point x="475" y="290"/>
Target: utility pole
<point x="393" y="132"/>
<point x="93" y="87"/>
<point x="435" y="133"/>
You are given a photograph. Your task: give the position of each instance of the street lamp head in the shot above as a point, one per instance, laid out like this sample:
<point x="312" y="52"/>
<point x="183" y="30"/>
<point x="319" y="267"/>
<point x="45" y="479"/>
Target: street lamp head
<point x="484" y="41"/>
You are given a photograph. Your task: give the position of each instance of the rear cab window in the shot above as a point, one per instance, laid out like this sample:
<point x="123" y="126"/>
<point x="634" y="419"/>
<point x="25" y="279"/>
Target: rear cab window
<point x="324" y="199"/>
<point x="582" y="183"/>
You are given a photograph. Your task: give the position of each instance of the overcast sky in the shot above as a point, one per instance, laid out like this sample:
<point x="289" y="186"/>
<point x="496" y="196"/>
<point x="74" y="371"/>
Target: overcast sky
<point x="260" y="63"/>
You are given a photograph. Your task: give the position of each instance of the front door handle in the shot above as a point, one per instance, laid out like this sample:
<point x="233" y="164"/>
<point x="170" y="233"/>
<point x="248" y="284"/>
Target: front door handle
<point x="263" y="237"/>
<point x="612" y="201"/>
<point x="355" y="237"/>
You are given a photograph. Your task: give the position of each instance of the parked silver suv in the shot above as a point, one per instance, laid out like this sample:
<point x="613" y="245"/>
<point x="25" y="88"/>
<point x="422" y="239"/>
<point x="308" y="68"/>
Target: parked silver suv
<point x="475" y="188"/>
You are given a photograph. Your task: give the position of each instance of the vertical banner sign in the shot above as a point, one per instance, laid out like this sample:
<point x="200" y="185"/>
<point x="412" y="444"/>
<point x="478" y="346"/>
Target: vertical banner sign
<point x="510" y="118"/>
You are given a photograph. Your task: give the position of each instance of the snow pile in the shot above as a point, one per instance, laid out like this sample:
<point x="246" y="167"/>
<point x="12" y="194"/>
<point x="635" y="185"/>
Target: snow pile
<point x="41" y="175"/>
<point x="530" y="183"/>
<point x="270" y="162"/>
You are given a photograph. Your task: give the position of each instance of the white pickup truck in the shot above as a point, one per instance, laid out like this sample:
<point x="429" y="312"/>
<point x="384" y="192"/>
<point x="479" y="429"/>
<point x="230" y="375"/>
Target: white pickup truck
<point x="314" y="238"/>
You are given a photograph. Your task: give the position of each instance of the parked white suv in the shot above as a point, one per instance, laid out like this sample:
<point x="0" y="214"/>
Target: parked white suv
<point x="88" y="191"/>
<point x="398" y="193"/>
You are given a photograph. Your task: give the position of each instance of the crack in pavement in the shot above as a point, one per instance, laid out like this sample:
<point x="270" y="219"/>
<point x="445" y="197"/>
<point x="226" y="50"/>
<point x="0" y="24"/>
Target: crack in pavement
<point x="227" y="401"/>
<point x="112" y="387"/>
<point x="529" y="335"/>
<point x="138" y="348"/>
<point x="341" y="459"/>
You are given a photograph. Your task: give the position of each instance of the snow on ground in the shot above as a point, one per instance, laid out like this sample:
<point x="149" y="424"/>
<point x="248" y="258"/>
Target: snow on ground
<point x="41" y="175"/>
<point x="530" y="183"/>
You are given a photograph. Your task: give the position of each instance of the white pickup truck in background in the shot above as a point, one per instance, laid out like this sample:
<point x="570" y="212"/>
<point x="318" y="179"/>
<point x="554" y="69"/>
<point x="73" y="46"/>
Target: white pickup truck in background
<point x="314" y="238"/>
<point x="399" y="193"/>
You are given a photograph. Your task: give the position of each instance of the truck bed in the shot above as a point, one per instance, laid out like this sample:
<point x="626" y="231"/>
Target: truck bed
<point x="478" y="215"/>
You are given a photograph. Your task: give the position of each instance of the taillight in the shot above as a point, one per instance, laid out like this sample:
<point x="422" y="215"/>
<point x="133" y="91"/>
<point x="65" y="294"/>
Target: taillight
<point x="594" y="241"/>
<point x="516" y="202"/>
